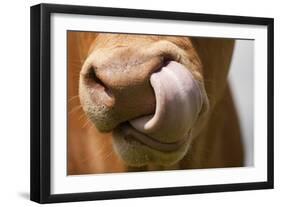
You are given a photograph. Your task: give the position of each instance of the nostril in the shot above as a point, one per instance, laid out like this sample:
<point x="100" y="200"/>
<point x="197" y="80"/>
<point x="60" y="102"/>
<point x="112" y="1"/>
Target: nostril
<point x="91" y="76"/>
<point x="98" y="87"/>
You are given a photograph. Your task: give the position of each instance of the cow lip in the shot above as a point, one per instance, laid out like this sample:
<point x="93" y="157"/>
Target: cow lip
<point x="131" y="133"/>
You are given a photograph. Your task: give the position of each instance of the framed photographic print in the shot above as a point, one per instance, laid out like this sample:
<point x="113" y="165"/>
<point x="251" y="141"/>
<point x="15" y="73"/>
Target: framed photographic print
<point x="132" y="103"/>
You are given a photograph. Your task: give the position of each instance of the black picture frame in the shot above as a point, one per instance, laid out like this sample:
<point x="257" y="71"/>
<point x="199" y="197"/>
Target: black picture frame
<point x="41" y="96"/>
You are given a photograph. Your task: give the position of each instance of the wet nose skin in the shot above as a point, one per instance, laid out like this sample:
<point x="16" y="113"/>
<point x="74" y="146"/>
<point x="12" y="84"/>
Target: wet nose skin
<point x="122" y="86"/>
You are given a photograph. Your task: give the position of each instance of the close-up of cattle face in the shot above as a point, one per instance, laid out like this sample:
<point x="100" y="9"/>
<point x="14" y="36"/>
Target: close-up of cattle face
<point x="140" y="102"/>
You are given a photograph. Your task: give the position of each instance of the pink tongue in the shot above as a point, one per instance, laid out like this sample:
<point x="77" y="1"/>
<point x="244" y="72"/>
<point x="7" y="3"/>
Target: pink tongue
<point x="178" y="103"/>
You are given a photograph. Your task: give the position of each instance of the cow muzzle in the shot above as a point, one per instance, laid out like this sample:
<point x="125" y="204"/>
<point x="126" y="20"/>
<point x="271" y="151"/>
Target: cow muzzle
<point x="151" y="110"/>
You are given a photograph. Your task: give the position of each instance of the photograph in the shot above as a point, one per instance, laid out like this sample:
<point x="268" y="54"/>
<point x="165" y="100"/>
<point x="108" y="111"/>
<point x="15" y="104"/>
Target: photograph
<point x="130" y="103"/>
<point x="144" y="102"/>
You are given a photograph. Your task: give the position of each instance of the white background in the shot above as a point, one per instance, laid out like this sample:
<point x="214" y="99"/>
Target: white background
<point x="14" y="110"/>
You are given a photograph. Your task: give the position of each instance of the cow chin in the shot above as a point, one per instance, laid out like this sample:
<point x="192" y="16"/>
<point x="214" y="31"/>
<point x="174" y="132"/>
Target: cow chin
<point x="135" y="151"/>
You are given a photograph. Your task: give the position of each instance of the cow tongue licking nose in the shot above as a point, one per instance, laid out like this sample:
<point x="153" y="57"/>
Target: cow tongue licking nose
<point x="178" y="103"/>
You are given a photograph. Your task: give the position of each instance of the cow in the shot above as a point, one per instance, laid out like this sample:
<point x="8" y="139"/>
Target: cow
<point x="150" y="102"/>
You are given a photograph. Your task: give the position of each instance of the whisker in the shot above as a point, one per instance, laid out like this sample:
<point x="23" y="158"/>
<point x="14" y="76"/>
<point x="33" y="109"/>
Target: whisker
<point x="74" y="109"/>
<point x="73" y="98"/>
<point x="108" y="155"/>
<point x="93" y="155"/>
<point x="97" y="155"/>
<point x="88" y="121"/>
<point x="83" y="115"/>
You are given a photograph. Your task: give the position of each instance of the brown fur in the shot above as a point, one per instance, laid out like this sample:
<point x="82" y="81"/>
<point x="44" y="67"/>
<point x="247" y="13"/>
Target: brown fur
<point x="217" y="143"/>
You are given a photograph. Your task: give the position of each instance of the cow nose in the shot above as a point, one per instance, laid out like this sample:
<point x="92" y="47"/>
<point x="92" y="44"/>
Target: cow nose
<point x="123" y="88"/>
